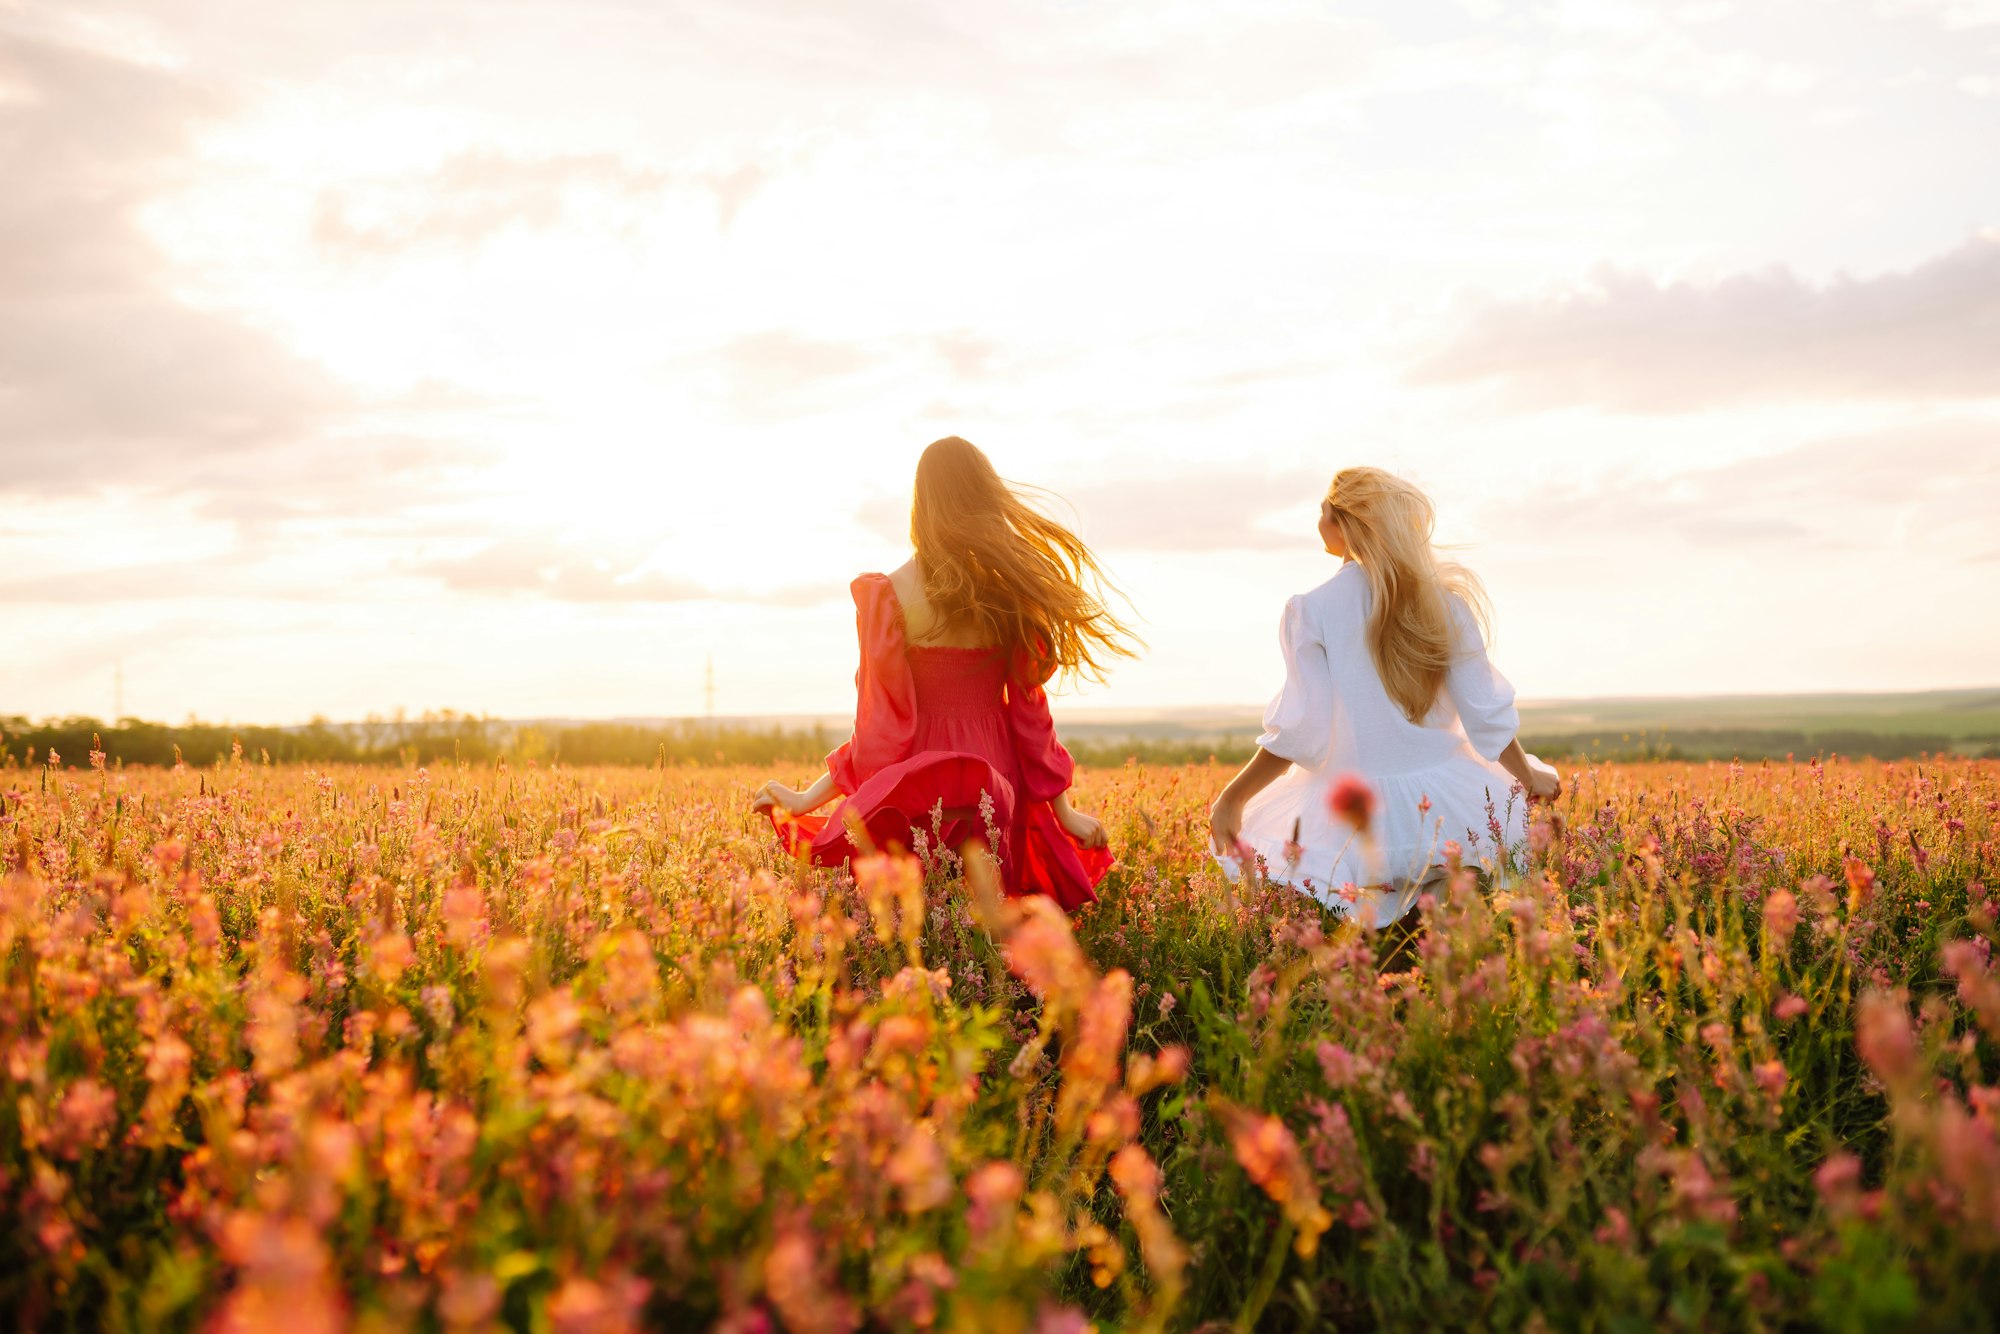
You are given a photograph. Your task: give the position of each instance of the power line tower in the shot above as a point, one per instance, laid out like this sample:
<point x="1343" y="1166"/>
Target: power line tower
<point x="708" y="688"/>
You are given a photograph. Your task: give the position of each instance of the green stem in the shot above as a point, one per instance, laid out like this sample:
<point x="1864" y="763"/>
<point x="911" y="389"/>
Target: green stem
<point x="1267" y="1282"/>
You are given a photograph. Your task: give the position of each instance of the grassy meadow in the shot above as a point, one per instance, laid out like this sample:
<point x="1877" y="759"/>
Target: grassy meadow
<point x="541" y="1048"/>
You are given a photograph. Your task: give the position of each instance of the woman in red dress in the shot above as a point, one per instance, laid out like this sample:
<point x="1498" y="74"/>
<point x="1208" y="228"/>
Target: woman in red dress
<point x="951" y="725"/>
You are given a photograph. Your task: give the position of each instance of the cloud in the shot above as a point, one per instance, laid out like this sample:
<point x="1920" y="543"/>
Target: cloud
<point x="113" y="583"/>
<point x="471" y="198"/>
<point x="222" y="576"/>
<point x="1626" y="342"/>
<point x="362" y="481"/>
<point x="1954" y="15"/>
<point x="1222" y="509"/>
<point x="547" y="568"/>
<point x="780" y="374"/>
<point x="1214" y="510"/>
<point x="772" y="359"/>
<point x="104" y="374"/>
<point x="966" y="355"/>
<point x="1930" y="487"/>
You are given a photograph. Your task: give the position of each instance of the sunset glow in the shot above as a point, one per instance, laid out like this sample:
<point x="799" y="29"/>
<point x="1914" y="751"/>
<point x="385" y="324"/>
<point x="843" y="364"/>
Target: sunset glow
<point x="521" y="360"/>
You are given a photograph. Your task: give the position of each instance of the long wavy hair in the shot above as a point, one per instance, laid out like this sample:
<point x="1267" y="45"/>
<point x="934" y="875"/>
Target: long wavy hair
<point x="1389" y="525"/>
<point x="994" y="564"/>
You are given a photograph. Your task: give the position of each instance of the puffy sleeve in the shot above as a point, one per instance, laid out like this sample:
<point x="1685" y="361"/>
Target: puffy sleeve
<point x="1298" y="726"/>
<point x="885" y="705"/>
<point x="1483" y="697"/>
<point x="1046" y="767"/>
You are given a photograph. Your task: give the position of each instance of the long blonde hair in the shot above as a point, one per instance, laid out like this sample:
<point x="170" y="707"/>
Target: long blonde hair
<point x="1388" y="524"/>
<point x="993" y="564"/>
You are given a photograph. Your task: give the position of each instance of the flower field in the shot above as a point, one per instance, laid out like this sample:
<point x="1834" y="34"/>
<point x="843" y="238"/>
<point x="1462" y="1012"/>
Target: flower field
<point x="575" y="1050"/>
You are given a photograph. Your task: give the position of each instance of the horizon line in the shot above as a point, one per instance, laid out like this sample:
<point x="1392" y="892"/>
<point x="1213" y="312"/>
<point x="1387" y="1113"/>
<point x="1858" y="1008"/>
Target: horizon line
<point x="1118" y="712"/>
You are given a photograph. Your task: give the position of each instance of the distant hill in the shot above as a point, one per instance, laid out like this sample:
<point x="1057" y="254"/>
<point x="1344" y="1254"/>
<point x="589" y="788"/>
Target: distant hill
<point x="1965" y="722"/>
<point x="1884" y="725"/>
<point x="1954" y="713"/>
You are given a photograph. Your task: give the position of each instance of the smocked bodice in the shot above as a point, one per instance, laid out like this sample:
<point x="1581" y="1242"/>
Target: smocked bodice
<point x="957" y="682"/>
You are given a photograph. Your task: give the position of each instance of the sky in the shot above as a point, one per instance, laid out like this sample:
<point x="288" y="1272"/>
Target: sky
<point x="526" y="358"/>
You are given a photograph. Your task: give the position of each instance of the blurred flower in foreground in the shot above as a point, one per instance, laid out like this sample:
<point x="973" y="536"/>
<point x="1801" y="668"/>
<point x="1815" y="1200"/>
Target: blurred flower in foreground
<point x="1270" y="1155"/>
<point x="1353" y="801"/>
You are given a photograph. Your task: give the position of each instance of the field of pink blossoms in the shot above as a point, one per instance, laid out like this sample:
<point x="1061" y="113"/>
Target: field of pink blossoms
<point x="575" y="1050"/>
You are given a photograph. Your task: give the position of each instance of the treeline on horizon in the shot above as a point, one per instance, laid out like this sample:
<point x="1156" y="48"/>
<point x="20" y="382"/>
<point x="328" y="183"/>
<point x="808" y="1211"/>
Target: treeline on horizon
<point x="450" y="737"/>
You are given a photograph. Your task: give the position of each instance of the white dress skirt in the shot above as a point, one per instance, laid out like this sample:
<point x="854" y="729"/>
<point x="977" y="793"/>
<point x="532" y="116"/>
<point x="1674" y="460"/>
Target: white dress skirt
<point x="1434" y="783"/>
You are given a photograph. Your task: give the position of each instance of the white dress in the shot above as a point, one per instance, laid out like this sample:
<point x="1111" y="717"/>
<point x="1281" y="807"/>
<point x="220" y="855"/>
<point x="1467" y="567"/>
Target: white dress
<point x="1433" y="783"/>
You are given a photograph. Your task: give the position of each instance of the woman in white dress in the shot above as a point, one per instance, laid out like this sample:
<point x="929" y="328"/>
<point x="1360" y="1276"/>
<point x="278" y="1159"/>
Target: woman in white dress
<point x="1386" y="682"/>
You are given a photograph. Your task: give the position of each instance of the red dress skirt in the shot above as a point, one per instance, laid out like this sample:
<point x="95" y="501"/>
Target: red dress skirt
<point x="948" y="741"/>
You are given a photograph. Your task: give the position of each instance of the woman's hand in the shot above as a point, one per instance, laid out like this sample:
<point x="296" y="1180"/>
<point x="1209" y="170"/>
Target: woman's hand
<point x="1225" y="818"/>
<point x="776" y="794"/>
<point x="1544" y="783"/>
<point x="1225" y="824"/>
<point x="1536" y="776"/>
<point x="1085" y="829"/>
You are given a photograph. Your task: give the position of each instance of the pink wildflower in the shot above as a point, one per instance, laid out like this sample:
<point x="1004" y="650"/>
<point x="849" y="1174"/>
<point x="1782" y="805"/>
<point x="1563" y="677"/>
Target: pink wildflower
<point x="1352" y="801"/>
<point x="1698" y="1194"/>
<point x="918" y="1169"/>
<point x="1978" y="987"/>
<point x="89" y="1110"/>
<point x="463" y="908"/>
<point x="796" y="1285"/>
<point x="390" y="955"/>
<point x="587" y="1306"/>
<point x="467" y="1300"/>
<point x="1772" y="1078"/>
<point x="286" y="1279"/>
<point x="1838" y="1180"/>
<point x="1145" y="1073"/>
<point x="891" y="883"/>
<point x="1062" y="1320"/>
<point x="1818" y="891"/>
<point x="1882" y="1033"/>
<point x="1271" y="1158"/>
<point x="1615" y="1230"/>
<point x="1137" y="1178"/>
<point x="1043" y="952"/>
<point x="1860" y="884"/>
<point x="1107" y="1014"/>
<point x="992" y="1191"/>
<point x="1340" y="1066"/>
<point x="1781" y="916"/>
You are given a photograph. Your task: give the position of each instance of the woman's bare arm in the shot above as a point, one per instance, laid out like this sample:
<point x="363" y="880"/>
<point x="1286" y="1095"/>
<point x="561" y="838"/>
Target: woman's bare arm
<point x="775" y="793"/>
<point x="1225" y="818"/>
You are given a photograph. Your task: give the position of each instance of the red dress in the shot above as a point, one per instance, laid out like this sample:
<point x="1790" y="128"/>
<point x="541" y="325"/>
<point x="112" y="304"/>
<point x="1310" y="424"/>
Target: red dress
<point x="945" y="727"/>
